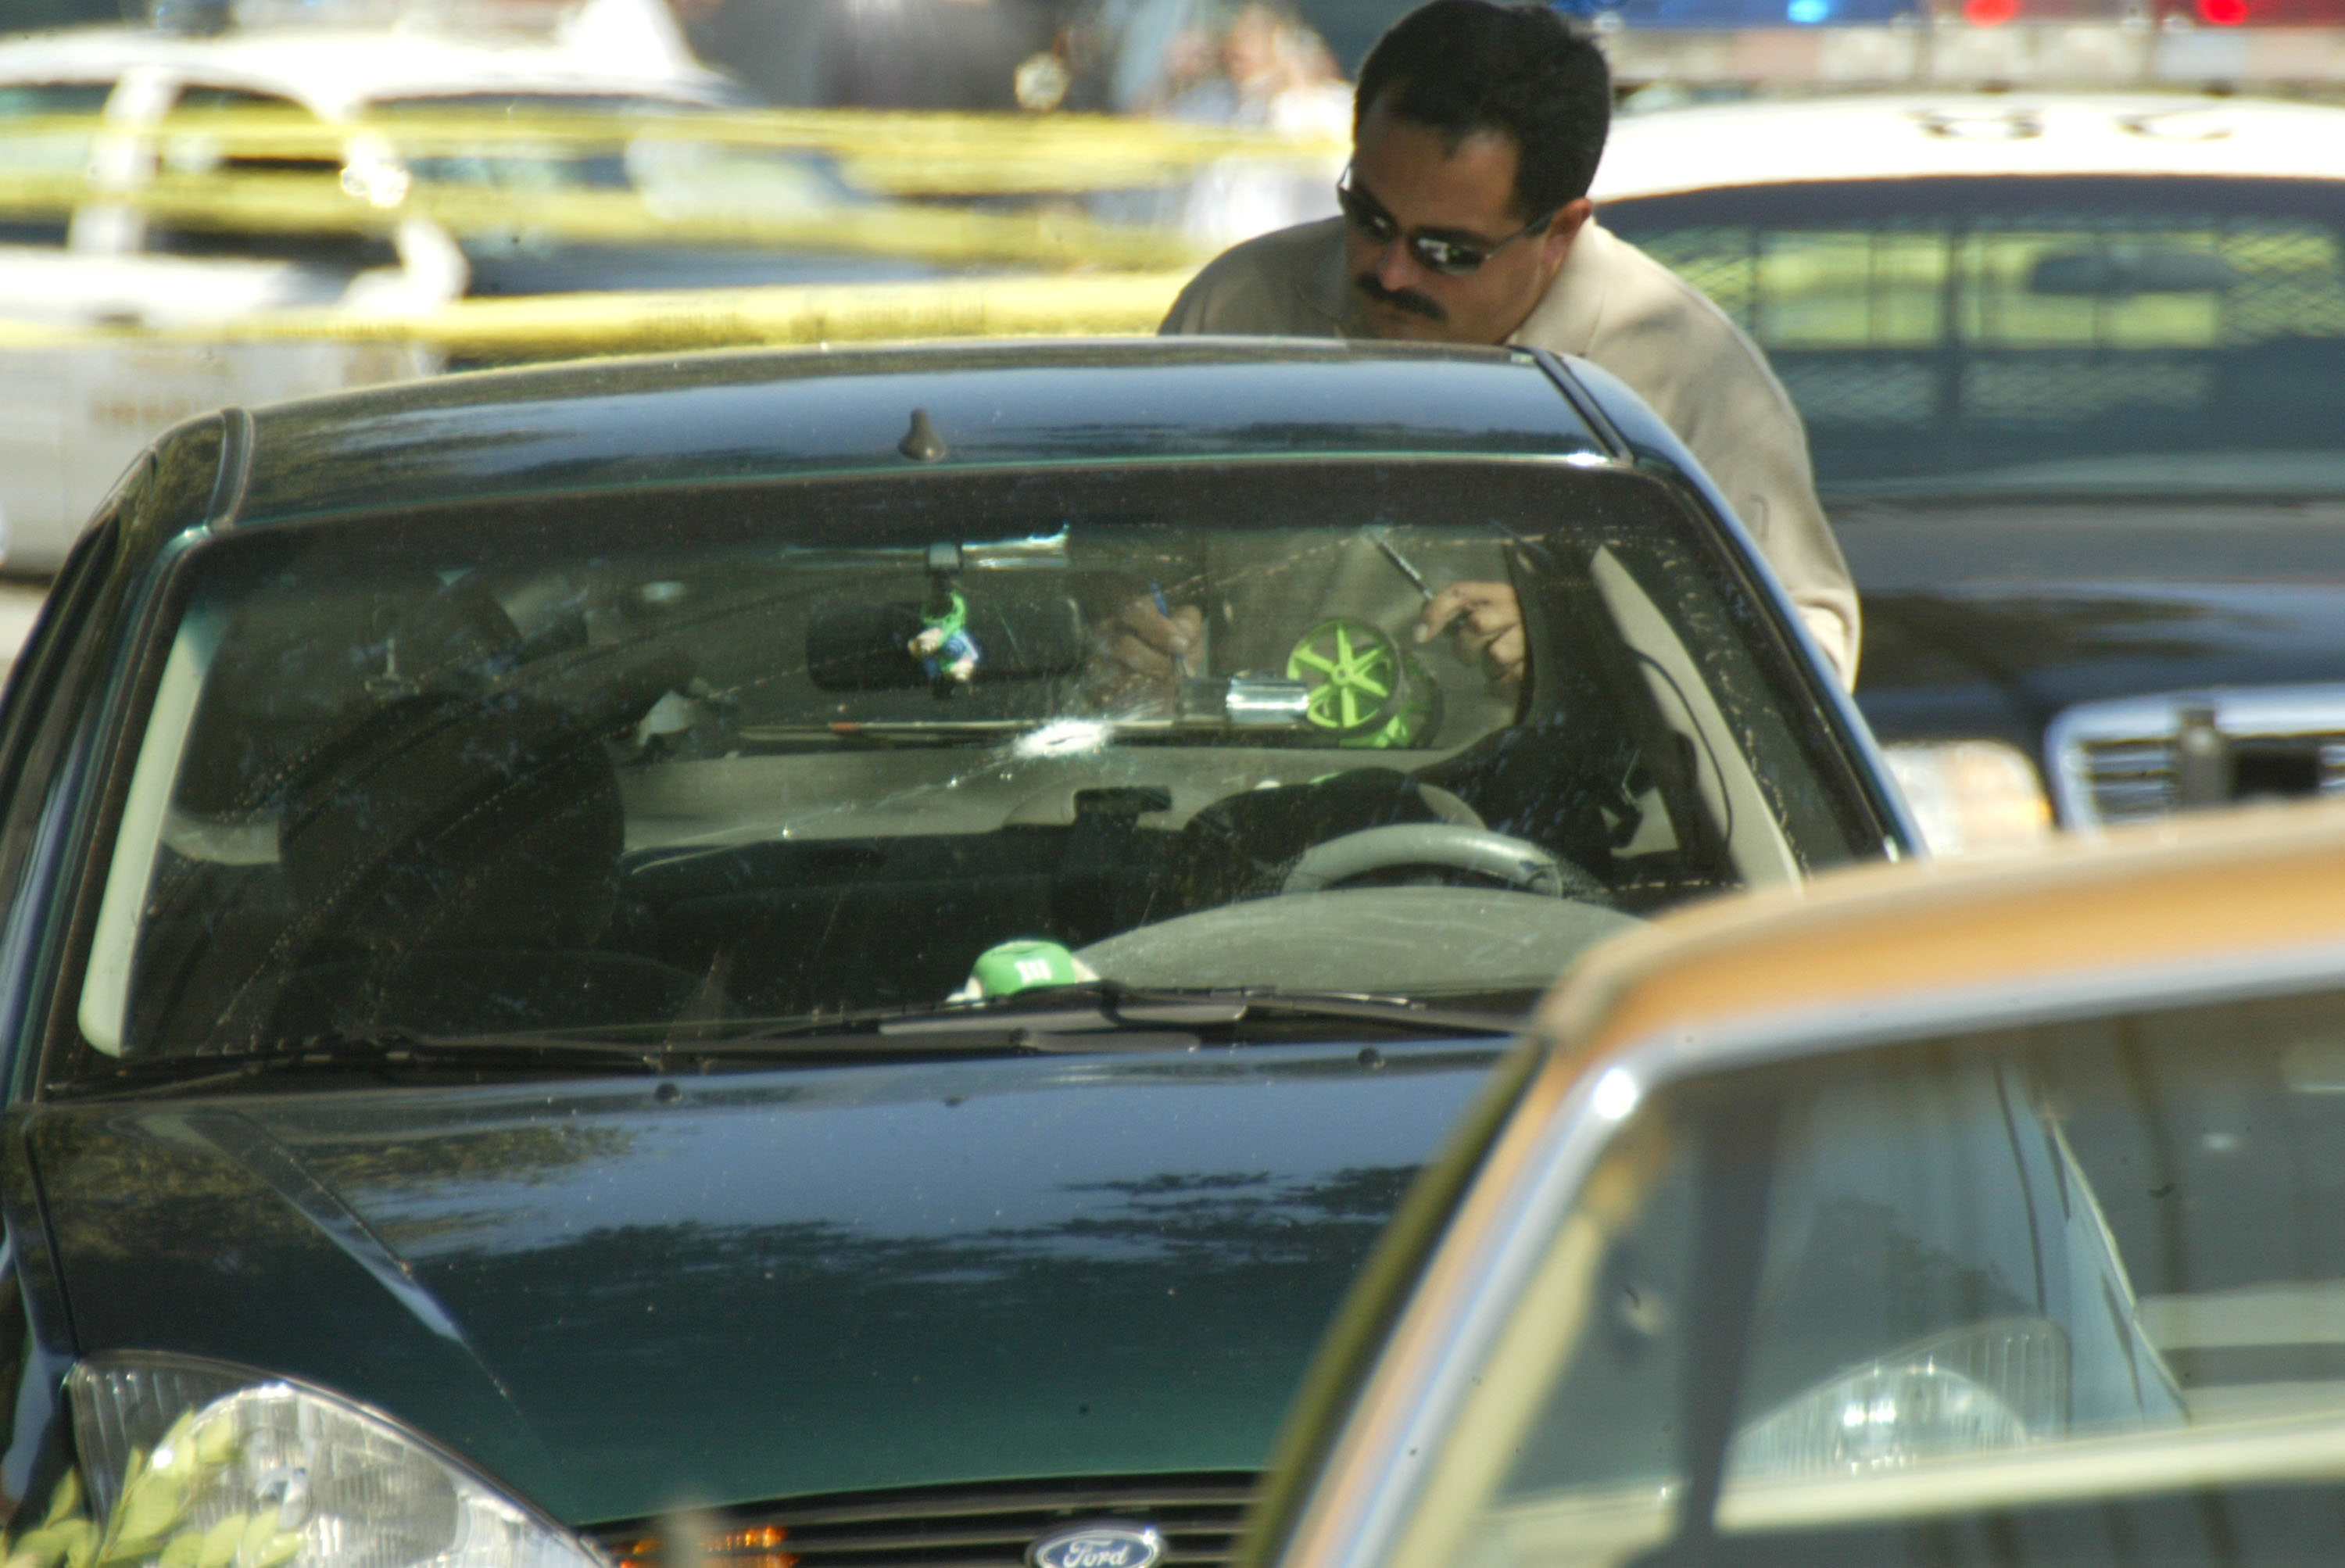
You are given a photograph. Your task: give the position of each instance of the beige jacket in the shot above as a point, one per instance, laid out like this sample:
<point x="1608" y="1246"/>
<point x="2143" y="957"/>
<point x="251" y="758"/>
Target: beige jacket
<point x="1614" y="305"/>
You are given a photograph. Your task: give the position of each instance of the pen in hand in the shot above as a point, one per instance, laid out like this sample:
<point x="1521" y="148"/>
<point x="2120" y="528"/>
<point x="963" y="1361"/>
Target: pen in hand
<point x="1164" y="608"/>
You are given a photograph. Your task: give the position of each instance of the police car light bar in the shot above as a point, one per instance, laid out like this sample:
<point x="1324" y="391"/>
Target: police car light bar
<point x="2130" y="53"/>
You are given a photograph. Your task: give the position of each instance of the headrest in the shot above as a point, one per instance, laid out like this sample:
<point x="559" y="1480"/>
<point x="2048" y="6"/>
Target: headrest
<point x="456" y="819"/>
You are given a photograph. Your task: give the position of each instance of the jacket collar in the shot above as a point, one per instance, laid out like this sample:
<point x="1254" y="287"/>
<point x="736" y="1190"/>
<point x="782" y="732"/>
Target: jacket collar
<point x="1569" y="314"/>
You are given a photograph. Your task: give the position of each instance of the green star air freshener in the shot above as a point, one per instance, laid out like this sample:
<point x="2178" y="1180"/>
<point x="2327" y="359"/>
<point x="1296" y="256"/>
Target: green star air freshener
<point x="1365" y="688"/>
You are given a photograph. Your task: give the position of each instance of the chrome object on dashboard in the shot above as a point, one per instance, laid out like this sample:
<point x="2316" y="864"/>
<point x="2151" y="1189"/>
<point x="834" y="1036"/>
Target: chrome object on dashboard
<point x="2137" y="757"/>
<point x="1259" y="701"/>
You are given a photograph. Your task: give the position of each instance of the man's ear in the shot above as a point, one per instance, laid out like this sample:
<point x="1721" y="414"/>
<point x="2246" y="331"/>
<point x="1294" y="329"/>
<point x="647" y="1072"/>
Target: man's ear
<point x="1556" y="244"/>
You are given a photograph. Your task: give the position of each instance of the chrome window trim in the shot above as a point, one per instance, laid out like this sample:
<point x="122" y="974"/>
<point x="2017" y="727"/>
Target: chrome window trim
<point x="1381" y="1453"/>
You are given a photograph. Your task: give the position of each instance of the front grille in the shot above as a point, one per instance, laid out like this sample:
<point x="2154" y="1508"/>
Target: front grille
<point x="982" y="1527"/>
<point x="2122" y="761"/>
<point x="2127" y="780"/>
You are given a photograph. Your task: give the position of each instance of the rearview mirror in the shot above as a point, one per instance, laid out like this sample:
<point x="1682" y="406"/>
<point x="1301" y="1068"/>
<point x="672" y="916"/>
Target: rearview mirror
<point x="862" y="647"/>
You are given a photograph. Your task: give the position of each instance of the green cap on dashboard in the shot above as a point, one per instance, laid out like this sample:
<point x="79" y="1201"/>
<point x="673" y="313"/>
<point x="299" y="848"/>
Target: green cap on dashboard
<point x="1011" y="967"/>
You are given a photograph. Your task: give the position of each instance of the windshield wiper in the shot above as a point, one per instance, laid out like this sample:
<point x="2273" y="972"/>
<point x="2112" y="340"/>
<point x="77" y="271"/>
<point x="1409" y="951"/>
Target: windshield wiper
<point x="1397" y="1010"/>
<point x="1094" y="1016"/>
<point x="387" y="1051"/>
<point x="1098" y="1016"/>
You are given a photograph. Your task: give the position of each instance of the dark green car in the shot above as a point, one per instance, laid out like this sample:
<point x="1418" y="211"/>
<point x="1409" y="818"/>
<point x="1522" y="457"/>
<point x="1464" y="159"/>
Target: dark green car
<point x="820" y="958"/>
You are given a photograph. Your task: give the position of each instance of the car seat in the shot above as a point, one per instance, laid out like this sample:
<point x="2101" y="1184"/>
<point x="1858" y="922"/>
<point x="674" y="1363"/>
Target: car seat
<point x="453" y="860"/>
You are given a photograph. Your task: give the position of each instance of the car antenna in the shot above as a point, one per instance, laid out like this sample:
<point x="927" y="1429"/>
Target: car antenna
<point x="921" y="444"/>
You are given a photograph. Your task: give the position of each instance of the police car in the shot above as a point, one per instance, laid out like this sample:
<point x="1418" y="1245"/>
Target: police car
<point x="2073" y="369"/>
<point x="75" y="408"/>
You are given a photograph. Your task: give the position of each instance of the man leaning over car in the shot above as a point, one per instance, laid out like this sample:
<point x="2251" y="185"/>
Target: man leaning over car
<point x="1465" y="219"/>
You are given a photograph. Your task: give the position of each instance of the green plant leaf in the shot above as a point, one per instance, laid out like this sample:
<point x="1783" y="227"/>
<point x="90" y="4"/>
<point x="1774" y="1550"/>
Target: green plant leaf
<point x="65" y="1498"/>
<point x="65" y="1541"/>
<point x="221" y="1540"/>
<point x="264" y="1545"/>
<point x="152" y="1502"/>
<point x="214" y="1441"/>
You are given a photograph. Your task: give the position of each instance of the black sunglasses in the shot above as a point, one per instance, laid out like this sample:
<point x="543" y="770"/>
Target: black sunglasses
<point x="1451" y="257"/>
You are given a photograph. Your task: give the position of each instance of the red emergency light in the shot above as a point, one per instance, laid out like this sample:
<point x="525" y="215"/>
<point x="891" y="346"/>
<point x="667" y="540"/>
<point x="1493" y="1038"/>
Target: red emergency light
<point x="2257" y="13"/>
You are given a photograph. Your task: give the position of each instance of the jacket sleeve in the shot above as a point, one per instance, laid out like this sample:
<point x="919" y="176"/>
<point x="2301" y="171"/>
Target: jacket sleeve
<point x="1234" y="296"/>
<point x="1187" y="316"/>
<point x="1264" y="286"/>
<point x="1712" y="386"/>
<point x="1755" y="447"/>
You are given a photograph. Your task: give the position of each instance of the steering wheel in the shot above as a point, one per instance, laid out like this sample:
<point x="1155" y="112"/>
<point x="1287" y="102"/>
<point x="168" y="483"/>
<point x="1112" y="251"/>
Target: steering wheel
<point x="1519" y="863"/>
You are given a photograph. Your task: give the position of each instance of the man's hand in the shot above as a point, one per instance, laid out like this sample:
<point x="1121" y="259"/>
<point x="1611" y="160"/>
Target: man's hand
<point x="1488" y="622"/>
<point x="1133" y="654"/>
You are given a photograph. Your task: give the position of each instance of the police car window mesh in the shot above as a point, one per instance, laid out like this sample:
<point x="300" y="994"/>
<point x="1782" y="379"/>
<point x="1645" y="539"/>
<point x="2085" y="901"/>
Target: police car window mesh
<point x="1934" y="342"/>
<point x="1895" y="390"/>
<point x="1885" y="285"/>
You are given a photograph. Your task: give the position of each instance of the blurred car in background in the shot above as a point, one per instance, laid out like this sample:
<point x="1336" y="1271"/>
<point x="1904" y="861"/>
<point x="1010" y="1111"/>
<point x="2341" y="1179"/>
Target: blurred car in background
<point x="2073" y="369"/>
<point x="1934" y="1219"/>
<point x="213" y="178"/>
<point x="271" y="208"/>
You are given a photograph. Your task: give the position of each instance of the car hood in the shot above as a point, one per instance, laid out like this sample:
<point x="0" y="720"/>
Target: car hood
<point x="623" y="1297"/>
<point x="1989" y="620"/>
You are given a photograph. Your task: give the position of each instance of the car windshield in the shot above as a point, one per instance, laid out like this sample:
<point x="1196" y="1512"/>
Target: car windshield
<point x="2040" y="335"/>
<point x="2069" y="1294"/>
<point x="613" y="761"/>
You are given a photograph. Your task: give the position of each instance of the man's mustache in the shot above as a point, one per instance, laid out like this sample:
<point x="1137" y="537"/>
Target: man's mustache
<point x="1408" y="299"/>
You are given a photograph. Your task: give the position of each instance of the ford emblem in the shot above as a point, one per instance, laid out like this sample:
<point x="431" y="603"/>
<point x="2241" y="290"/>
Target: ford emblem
<point x="1099" y="1546"/>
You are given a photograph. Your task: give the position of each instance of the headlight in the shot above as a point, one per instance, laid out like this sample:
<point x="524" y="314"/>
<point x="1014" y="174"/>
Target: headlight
<point x="198" y="1464"/>
<point x="1971" y="797"/>
<point x="1998" y="1385"/>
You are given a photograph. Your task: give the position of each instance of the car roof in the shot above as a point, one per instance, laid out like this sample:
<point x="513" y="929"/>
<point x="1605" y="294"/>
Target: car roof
<point x="755" y="414"/>
<point x="2187" y="905"/>
<point x="336" y="72"/>
<point x="1908" y="136"/>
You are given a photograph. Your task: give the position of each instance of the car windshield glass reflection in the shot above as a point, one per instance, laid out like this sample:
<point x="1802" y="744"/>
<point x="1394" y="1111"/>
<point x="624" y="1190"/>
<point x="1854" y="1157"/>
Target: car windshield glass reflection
<point x="806" y="752"/>
<point x="2051" y="1294"/>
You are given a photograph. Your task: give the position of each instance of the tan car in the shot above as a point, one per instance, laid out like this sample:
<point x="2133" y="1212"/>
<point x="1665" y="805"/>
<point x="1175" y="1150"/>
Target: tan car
<point x="1930" y="1216"/>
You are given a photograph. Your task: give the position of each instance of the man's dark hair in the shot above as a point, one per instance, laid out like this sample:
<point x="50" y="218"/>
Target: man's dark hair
<point x="1466" y="67"/>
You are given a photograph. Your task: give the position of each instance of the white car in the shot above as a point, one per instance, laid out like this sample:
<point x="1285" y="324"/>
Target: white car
<point x="2073" y="369"/>
<point x="71" y="417"/>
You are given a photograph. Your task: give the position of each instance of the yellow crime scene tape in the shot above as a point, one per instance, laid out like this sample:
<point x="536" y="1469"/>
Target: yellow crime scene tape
<point x="537" y="175"/>
<point x="569" y="326"/>
<point x="293" y="204"/>
<point x="894" y="153"/>
<point x="526" y="177"/>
